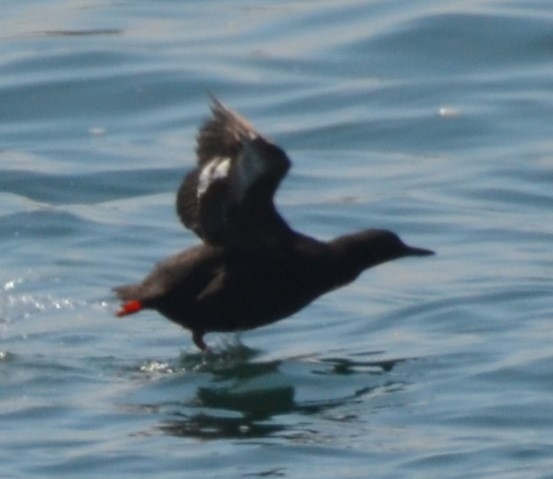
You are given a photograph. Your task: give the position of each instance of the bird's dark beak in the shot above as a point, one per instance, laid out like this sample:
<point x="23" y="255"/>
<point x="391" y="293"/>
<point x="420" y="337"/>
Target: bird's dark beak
<point x="414" y="251"/>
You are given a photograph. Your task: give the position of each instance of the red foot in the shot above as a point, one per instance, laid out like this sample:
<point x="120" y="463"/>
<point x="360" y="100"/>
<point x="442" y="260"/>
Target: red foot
<point x="130" y="307"/>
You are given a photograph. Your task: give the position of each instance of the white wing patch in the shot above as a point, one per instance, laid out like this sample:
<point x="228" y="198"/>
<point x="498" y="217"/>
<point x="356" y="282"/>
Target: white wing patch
<point x="215" y="169"/>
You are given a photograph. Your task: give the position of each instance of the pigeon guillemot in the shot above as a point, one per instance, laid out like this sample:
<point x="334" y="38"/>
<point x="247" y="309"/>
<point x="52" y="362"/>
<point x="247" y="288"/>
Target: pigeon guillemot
<point x="252" y="269"/>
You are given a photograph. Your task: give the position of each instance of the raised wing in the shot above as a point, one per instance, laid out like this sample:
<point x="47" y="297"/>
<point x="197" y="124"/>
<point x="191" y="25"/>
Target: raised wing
<point x="228" y="198"/>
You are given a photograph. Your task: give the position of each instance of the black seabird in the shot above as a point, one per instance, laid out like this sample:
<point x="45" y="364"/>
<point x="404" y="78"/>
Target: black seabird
<point x="251" y="268"/>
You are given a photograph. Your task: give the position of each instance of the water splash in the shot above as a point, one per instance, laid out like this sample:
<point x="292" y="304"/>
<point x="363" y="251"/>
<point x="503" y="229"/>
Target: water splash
<point x="156" y="368"/>
<point x="18" y="303"/>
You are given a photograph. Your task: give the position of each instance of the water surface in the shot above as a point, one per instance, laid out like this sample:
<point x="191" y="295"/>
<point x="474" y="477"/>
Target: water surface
<point x="429" y="118"/>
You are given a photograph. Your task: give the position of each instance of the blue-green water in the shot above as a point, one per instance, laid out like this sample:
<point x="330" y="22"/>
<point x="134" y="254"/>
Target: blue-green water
<point x="431" y="118"/>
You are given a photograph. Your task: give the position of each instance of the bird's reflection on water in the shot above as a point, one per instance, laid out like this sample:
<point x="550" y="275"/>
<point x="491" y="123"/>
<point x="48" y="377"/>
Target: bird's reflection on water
<point x="237" y="395"/>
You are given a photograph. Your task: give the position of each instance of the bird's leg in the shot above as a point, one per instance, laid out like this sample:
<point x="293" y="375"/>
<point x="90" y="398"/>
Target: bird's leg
<point x="198" y="338"/>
